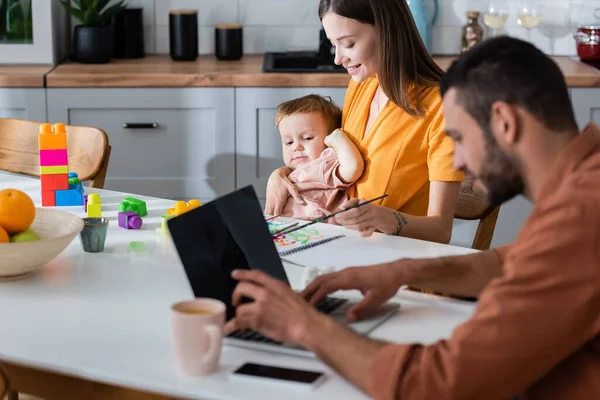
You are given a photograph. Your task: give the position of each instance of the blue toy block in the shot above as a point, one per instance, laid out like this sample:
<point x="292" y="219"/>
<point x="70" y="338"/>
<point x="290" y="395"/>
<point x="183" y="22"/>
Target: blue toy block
<point x="66" y="198"/>
<point x="76" y="186"/>
<point x="73" y="175"/>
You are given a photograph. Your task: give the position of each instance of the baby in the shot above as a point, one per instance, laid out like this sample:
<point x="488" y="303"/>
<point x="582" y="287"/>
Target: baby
<point x="323" y="160"/>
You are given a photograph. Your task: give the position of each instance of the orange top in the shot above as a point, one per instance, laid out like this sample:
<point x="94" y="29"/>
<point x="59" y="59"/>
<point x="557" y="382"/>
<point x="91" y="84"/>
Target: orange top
<point x="402" y="154"/>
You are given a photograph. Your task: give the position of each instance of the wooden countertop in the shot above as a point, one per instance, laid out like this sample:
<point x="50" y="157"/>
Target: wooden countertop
<point x="28" y="76"/>
<point x="207" y="71"/>
<point x="161" y="71"/>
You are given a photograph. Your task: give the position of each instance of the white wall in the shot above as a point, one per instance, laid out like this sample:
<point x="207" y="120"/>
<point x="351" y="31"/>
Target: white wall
<point x="279" y="25"/>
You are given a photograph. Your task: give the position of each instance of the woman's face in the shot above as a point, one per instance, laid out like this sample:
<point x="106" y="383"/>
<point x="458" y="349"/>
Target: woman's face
<point x="355" y="45"/>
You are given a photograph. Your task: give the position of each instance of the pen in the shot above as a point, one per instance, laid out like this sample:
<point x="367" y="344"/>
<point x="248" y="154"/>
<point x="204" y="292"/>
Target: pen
<point x="328" y="216"/>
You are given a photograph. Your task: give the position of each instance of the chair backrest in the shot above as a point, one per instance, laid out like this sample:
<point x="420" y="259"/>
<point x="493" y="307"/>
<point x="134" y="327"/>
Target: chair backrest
<point x="472" y="205"/>
<point x="88" y="149"/>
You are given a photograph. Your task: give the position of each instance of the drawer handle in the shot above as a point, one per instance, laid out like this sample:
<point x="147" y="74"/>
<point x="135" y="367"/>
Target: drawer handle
<point x="129" y="125"/>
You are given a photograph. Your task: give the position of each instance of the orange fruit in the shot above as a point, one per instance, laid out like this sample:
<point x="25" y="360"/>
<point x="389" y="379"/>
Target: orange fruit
<point x="3" y="236"/>
<point x="17" y="211"/>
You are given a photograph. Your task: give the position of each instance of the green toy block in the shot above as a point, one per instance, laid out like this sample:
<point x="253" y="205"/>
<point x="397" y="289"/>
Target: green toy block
<point x="132" y="204"/>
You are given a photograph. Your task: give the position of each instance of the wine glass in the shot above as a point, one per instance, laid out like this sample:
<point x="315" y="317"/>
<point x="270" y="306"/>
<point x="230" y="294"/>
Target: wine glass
<point x="495" y="15"/>
<point x="529" y="15"/>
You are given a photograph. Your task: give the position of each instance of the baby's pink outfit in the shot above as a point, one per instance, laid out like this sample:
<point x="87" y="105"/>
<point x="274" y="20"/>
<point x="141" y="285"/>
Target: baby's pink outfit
<point x="320" y="187"/>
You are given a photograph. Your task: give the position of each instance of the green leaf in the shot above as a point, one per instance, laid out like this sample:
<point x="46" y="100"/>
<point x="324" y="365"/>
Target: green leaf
<point x="113" y="10"/>
<point x="102" y="4"/>
<point x="92" y="18"/>
<point x="79" y="4"/>
<point x="86" y="4"/>
<point x="77" y="14"/>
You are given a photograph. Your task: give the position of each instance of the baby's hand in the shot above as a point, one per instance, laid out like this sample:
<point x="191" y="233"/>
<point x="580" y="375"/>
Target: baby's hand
<point x="334" y="138"/>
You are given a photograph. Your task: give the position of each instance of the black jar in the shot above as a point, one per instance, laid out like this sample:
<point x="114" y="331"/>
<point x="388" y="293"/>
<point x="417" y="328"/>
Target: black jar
<point x="183" y="35"/>
<point x="229" y="41"/>
<point x="129" y="33"/>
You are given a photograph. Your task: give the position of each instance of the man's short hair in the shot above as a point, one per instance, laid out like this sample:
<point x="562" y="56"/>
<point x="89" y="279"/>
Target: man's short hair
<point x="516" y="72"/>
<point x="312" y="103"/>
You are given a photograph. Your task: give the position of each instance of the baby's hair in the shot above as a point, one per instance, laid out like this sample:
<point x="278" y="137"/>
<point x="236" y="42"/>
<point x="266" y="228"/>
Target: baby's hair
<point x="312" y="103"/>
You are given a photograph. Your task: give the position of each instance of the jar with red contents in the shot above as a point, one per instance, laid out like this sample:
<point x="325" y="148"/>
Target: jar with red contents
<point x="588" y="42"/>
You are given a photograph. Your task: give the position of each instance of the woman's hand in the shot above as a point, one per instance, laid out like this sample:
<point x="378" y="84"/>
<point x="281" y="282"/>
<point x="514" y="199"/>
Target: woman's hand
<point x="368" y="218"/>
<point x="279" y="188"/>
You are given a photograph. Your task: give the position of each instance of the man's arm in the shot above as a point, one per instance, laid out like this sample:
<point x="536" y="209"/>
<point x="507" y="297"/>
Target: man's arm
<point x="351" y="162"/>
<point x="538" y="314"/>
<point x="464" y="275"/>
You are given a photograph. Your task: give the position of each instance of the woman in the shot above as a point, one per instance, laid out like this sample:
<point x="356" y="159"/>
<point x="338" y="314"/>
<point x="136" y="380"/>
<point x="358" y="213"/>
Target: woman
<point x="393" y="113"/>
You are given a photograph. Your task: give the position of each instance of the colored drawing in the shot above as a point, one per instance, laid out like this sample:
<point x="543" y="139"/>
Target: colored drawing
<point x="297" y="238"/>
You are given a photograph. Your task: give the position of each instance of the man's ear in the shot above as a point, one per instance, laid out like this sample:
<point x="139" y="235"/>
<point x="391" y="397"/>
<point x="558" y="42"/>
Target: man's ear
<point x="504" y="124"/>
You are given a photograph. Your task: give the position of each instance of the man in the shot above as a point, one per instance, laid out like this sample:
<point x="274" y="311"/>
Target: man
<point x="536" y="330"/>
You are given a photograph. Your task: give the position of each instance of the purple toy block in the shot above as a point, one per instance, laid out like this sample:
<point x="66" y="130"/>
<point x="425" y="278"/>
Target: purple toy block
<point x="129" y="220"/>
<point x="49" y="158"/>
<point x="85" y="203"/>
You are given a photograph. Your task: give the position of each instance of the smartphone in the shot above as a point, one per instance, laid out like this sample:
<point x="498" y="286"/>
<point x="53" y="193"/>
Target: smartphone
<point x="268" y="373"/>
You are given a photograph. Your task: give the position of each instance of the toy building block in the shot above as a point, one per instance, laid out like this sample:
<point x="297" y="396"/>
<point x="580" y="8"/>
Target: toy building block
<point x="52" y="158"/>
<point x="94" y="207"/>
<point x="85" y="200"/>
<point x="129" y="220"/>
<point x="76" y="186"/>
<point x="132" y="204"/>
<point x="163" y="223"/>
<point x="48" y="198"/>
<point x="54" y="169"/>
<point x="183" y="207"/>
<point x="52" y="138"/>
<point x="70" y="197"/>
<point x="54" y="182"/>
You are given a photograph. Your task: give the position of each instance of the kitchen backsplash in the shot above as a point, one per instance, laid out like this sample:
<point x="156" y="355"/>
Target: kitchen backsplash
<point x="281" y="25"/>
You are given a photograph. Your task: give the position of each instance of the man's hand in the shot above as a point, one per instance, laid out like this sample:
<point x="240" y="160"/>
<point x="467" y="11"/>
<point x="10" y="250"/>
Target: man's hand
<point x="277" y="312"/>
<point x="279" y="188"/>
<point x="377" y="283"/>
<point x="367" y="219"/>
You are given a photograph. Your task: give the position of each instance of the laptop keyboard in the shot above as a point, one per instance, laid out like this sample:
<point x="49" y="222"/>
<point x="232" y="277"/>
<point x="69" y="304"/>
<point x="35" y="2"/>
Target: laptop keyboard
<point x="326" y="306"/>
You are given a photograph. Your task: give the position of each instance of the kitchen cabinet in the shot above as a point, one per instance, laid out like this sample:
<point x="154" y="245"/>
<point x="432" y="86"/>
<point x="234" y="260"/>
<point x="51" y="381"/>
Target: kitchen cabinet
<point x="586" y="103"/>
<point x="175" y="143"/>
<point x="23" y="103"/>
<point x="257" y="140"/>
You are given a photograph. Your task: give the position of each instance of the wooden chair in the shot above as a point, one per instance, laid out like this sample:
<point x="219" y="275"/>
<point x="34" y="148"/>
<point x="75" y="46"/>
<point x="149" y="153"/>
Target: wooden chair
<point x="88" y="148"/>
<point x="472" y="205"/>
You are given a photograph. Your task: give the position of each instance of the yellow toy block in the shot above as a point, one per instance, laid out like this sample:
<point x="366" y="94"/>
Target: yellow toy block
<point x="183" y="207"/>
<point x="94" y="207"/>
<point x="54" y="170"/>
<point x="52" y="138"/>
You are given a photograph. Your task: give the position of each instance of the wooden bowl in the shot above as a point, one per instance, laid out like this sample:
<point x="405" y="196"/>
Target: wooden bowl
<point x="56" y="230"/>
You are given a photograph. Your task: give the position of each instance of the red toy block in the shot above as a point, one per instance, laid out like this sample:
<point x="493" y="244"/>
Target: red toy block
<point x="50" y="138"/>
<point x="51" y="158"/>
<point x="48" y="199"/>
<point x="54" y="182"/>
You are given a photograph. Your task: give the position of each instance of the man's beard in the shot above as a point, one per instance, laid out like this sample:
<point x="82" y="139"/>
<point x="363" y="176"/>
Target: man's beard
<point x="499" y="174"/>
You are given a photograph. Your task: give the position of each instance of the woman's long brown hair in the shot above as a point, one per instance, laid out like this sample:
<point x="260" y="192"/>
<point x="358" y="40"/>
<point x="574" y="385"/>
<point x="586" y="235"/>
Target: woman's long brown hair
<point x="405" y="68"/>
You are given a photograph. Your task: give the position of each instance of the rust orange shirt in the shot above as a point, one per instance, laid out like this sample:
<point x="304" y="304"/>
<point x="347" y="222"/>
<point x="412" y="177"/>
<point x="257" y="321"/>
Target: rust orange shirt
<point x="536" y="330"/>
<point x="402" y="154"/>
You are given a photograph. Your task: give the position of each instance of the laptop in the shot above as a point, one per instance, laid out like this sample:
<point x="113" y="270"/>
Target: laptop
<point x="230" y="233"/>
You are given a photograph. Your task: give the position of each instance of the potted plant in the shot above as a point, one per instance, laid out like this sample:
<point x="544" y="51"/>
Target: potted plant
<point x="93" y="38"/>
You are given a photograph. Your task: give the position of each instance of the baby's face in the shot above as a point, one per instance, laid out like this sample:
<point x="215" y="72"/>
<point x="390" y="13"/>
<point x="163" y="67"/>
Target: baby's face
<point x="302" y="138"/>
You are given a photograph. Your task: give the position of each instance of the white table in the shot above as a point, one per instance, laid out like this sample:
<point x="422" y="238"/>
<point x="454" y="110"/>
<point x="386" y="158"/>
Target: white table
<point x="105" y="317"/>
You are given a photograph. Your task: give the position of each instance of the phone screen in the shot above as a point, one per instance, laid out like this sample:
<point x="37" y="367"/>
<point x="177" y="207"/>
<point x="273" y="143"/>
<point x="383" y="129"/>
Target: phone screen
<point x="285" y="374"/>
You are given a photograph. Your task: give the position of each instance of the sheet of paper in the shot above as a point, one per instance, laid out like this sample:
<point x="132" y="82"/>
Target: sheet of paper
<point x="345" y="252"/>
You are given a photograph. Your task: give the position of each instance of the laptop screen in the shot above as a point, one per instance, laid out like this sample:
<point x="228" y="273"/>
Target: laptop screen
<point x="220" y="236"/>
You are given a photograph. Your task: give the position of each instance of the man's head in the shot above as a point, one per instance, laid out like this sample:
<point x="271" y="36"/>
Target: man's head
<point x="303" y="125"/>
<point x="502" y="100"/>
